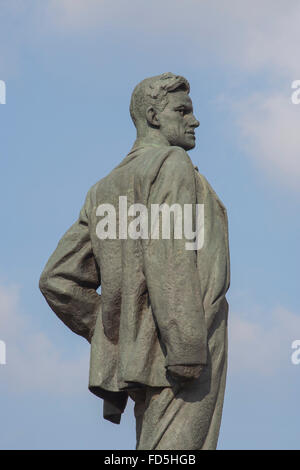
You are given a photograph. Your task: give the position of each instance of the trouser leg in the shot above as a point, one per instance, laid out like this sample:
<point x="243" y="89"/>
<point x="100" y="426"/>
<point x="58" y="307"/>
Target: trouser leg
<point x="139" y="398"/>
<point x="182" y="418"/>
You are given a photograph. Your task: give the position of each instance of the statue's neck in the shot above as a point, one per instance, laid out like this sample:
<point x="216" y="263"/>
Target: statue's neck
<point x="151" y="138"/>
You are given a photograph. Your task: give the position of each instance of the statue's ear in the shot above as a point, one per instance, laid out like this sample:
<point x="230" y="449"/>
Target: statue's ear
<point x="152" y="117"/>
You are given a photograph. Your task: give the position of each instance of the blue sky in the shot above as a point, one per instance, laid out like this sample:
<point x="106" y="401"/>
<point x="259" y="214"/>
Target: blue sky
<point x="69" y="69"/>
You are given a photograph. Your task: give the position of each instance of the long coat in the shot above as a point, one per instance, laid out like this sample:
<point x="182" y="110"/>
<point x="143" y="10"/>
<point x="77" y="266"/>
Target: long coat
<point x="160" y="303"/>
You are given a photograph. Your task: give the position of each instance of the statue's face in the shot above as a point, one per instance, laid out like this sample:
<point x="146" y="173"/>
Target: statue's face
<point x="177" y="122"/>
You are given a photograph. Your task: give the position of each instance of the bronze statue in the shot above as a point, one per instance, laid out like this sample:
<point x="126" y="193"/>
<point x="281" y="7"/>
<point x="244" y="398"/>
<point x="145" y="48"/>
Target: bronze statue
<point x="158" y="331"/>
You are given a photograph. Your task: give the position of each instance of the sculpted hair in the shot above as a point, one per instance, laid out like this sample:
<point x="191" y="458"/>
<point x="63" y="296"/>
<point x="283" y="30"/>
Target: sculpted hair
<point x="154" y="91"/>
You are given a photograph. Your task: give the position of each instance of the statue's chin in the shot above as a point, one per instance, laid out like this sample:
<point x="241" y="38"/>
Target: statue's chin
<point x="185" y="145"/>
<point x="188" y="146"/>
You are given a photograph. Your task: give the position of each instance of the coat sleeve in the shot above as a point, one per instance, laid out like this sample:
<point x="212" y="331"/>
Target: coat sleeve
<point x="171" y="270"/>
<point x="71" y="277"/>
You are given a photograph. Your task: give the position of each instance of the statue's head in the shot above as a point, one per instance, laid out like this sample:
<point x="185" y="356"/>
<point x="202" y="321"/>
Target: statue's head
<point x="162" y="103"/>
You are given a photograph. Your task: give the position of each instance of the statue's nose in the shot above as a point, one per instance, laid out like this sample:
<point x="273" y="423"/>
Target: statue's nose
<point x="195" y="122"/>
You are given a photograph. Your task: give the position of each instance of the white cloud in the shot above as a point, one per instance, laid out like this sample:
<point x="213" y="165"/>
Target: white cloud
<point x="270" y="130"/>
<point x="249" y="34"/>
<point x="33" y="362"/>
<point x="260" y="349"/>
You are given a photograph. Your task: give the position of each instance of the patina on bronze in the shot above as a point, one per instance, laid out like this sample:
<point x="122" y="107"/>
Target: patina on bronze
<point x="158" y="331"/>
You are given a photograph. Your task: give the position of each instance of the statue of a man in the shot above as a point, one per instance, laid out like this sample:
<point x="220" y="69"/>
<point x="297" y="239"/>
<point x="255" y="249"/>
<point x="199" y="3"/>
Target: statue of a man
<point x="158" y="331"/>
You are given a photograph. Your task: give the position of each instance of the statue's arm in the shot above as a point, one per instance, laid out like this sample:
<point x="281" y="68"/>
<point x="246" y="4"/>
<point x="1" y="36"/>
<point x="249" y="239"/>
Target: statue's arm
<point x="71" y="277"/>
<point x="172" y="277"/>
